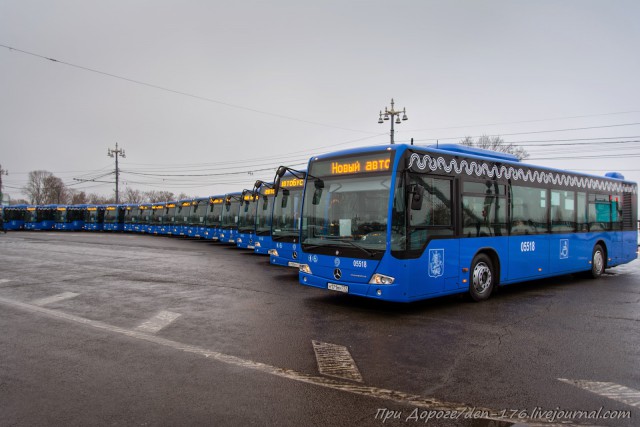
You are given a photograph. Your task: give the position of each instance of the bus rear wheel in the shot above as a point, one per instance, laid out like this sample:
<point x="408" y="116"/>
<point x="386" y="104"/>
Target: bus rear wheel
<point x="598" y="262"/>
<point x="481" y="278"/>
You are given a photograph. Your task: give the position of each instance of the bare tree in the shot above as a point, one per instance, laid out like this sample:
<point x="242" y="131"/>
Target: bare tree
<point x="38" y="189"/>
<point x="154" y="196"/>
<point x="495" y="143"/>
<point x="98" y="199"/>
<point x="55" y="192"/>
<point x="184" y="196"/>
<point x="132" y="196"/>
<point x="78" y="197"/>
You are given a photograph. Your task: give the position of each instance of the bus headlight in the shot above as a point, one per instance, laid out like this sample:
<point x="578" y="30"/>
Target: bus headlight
<point x="381" y="279"/>
<point x="273" y="252"/>
<point x="304" y="268"/>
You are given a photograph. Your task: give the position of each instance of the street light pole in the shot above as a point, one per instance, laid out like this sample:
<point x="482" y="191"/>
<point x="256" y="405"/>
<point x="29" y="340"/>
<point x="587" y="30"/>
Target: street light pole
<point x="390" y="114"/>
<point x="116" y="153"/>
<point x="2" y="172"/>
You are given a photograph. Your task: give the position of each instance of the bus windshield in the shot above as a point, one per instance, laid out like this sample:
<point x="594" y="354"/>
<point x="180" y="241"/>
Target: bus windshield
<point x="346" y="212"/>
<point x="110" y="215"/>
<point x="230" y="213"/>
<point x="263" y="215"/>
<point x="247" y="216"/>
<point x="286" y="213"/>
<point x="61" y="215"/>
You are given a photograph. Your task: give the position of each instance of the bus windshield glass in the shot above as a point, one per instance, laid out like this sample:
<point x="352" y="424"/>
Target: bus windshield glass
<point x="286" y="212"/>
<point x="263" y="215"/>
<point x="230" y="213"/>
<point x="247" y="217"/>
<point x="346" y="205"/>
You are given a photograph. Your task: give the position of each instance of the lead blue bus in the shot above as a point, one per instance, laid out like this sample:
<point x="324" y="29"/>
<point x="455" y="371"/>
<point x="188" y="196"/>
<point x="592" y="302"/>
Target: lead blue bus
<point x="40" y="217"/>
<point x="404" y="223"/>
<point x="14" y="217"/>
<point x="228" y="232"/>
<point x="285" y="225"/>
<point x="264" y="211"/>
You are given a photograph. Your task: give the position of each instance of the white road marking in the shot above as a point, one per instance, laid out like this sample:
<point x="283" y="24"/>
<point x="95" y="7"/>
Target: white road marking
<point x="54" y="298"/>
<point x="158" y="322"/>
<point x="336" y="361"/>
<point x="4" y="280"/>
<point x="612" y="391"/>
<point x="423" y="402"/>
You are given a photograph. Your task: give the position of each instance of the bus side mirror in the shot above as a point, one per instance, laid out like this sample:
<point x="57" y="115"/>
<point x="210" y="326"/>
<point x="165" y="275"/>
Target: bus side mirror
<point x="317" y="193"/>
<point x="285" y="198"/>
<point x="417" y="194"/>
<point x="281" y="171"/>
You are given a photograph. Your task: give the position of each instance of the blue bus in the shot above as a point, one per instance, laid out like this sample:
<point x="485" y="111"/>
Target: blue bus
<point x="131" y="212"/>
<point x="213" y="218"/>
<point x="114" y="217"/>
<point x="40" y="217"/>
<point x="285" y="226"/>
<point x="229" y="218"/>
<point x="94" y="218"/>
<point x="168" y="218"/>
<point x="264" y="210"/>
<point x="404" y="223"/>
<point x="247" y="219"/>
<point x="143" y="218"/>
<point x="70" y="217"/>
<point x="198" y="218"/>
<point x="156" y="218"/>
<point x="181" y="218"/>
<point x="14" y="217"/>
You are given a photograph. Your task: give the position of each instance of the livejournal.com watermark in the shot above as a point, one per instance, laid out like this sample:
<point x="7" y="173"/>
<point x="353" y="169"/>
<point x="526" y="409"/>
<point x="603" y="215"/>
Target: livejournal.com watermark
<point x="539" y="414"/>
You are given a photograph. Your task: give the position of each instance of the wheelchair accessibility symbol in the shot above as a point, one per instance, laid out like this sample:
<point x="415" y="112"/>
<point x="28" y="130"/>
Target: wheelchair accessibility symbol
<point x="564" y="248"/>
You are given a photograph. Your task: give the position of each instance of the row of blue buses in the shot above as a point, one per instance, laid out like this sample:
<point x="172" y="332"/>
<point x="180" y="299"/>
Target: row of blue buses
<point x="402" y="222"/>
<point x="53" y="217"/>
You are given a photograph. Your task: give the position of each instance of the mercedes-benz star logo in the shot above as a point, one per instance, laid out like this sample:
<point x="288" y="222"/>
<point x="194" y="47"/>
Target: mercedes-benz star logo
<point x="295" y="255"/>
<point x="337" y="274"/>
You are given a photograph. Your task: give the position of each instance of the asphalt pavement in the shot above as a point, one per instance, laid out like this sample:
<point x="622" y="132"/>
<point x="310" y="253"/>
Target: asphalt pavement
<point x="118" y="329"/>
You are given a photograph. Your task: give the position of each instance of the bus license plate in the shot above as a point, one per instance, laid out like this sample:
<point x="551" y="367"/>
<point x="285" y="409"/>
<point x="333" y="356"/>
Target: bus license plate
<point x="339" y="288"/>
<point x="293" y="264"/>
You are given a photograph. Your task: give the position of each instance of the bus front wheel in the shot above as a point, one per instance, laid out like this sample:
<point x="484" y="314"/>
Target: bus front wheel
<point x="481" y="278"/>
<point x="598" y="262"/>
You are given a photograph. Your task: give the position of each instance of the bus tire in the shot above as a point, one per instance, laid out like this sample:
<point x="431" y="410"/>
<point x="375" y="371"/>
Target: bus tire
<point x="481" y="278"/>
<point x="598" y="262"/>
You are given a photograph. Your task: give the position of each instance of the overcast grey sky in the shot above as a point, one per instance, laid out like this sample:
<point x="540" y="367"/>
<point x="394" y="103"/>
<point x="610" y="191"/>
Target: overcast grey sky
<point x="274" y="82"/>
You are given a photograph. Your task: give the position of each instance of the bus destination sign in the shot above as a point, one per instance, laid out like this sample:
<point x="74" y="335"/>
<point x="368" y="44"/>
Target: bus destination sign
<point x="379" y="162"/>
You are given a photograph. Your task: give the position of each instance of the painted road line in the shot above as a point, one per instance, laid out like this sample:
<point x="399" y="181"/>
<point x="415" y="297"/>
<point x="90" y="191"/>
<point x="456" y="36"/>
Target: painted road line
<point x="158" y="322"/>
<point x="336" y="361"/>
<point x="54" y="298"/>
<point x="612" y="391"/>
<point x="417" y="401"/>
<point x="4" y="280"/>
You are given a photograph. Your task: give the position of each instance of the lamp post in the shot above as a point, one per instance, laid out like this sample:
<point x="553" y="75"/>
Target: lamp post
<point x="2" y="172"/>
<point x="116" y="153"/>
<point x="389" y="114"/>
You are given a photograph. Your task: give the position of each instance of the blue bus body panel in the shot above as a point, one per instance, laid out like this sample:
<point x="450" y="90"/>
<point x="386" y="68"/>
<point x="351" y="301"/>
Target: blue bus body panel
<point x="288" y="254"/>
<point x="246" y="240"/>
<point x="263" y="244"/>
